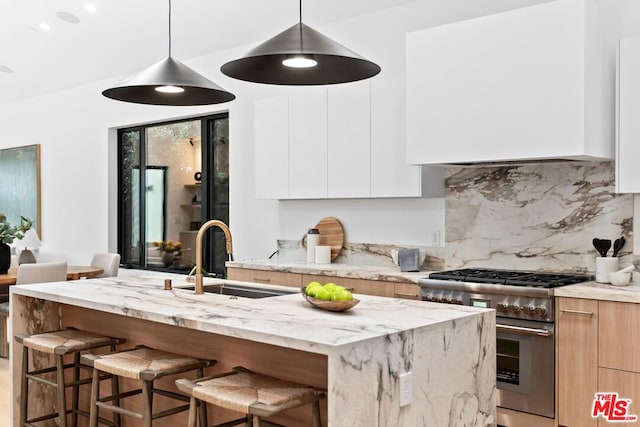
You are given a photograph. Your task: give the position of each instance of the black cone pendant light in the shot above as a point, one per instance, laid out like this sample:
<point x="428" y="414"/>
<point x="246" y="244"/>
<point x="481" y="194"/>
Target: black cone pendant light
<point x="300" y="55"/>
<point x="169" y="82"/>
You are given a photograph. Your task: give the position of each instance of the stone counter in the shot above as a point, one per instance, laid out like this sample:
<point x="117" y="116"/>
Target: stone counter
<point x="450" y="350"/>
<point x="354" y="271"/>
<point x="600" y="291"/>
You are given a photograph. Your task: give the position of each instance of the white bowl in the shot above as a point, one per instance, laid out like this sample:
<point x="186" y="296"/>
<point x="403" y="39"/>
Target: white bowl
<point x="619" y="278"/>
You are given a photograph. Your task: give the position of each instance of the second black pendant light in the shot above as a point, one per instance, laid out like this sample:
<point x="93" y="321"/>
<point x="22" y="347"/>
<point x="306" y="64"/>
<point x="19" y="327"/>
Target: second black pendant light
<point x="300" y="55"/>
<point x="169" y="82"/>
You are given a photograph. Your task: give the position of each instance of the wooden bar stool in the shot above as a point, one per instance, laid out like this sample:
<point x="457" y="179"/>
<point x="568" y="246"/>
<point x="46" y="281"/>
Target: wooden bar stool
<point x="145" y="365"/>
<point x="60" y="343"/>
<point x="257" y="396"/>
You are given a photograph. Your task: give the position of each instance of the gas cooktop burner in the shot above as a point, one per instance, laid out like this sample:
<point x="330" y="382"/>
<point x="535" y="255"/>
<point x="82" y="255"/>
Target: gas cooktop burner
<point x="510" y="277"/>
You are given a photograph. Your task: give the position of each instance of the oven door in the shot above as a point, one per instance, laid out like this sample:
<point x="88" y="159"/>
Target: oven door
<point x="525" y="366"/>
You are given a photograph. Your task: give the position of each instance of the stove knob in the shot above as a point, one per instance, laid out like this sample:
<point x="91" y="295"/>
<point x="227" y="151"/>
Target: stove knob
<point x="501" y="307"/>
<point x="529" y="309"/>
<point x="513" y="308"/>
<point x="455" y="301"/>
<point x="541" y="311"/>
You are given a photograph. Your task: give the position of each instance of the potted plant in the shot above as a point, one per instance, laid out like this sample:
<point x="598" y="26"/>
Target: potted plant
<point x="8" y="234"/>
<point x="169" y="251"/>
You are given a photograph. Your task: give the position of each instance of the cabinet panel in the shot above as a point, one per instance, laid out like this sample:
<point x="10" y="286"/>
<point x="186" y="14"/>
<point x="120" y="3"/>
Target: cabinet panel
<point x="626" y="384"/>
<point x="577" y="329"/>
<point x="308" y="143"/>
<point x="262" y="276"/>
<point x="497" y="88"/>
<point x="406" y="291"/>
<point x="349" y="140"/>
<point x="271" y="148"/>
<point x="618" y="346"/>
<point x="628" y="109"/>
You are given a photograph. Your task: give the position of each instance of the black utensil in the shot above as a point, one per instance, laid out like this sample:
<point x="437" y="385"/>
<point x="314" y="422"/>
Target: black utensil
<point x="618" y="245"/>
<point x="598" y="245"/>
<point x="606" y="245"/>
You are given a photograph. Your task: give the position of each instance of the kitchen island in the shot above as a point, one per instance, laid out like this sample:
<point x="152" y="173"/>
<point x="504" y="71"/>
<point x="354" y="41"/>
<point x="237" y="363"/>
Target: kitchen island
<point x="357" y="356"/>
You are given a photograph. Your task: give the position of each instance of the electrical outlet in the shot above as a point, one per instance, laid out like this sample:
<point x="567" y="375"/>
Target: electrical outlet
<point x="435" y="238"/>
<point x="406" y="389"/>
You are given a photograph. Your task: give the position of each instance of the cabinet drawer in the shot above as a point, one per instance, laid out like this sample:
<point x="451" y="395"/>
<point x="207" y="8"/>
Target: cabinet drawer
<point x="618" y="344"/>
<point x="262" y="276"/>
<point x="406" y="291"/>
<point x="626" y="384"/>
<point x="357" y="286"/>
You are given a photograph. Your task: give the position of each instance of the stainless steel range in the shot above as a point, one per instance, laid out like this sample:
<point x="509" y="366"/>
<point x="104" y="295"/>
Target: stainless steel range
<point x="525" y="328"/>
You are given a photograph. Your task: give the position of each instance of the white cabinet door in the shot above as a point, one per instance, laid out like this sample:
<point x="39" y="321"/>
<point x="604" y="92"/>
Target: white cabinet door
<point x="308" y="143"/>
<point x="628" y="117"/>
<point x="271" y="148"/>
<point x="391" y="176"/>
<point x="522" y="84"/>
<point x="349" y="140"/>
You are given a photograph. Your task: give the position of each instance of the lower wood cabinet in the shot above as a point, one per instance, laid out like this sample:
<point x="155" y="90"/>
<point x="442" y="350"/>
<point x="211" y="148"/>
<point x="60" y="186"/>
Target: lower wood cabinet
<point x="577" y="362"/>
<point x="263" y="276"/>
<point x="358" y="286"/>
<point x="597" y="352"/>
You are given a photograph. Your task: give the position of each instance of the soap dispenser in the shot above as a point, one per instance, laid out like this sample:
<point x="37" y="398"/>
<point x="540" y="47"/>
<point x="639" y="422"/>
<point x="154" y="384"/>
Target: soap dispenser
<point x="313" y="239"/>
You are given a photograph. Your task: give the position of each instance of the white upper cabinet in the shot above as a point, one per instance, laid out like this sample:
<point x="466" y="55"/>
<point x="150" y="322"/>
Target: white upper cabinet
<point x="271" y="148"/>
<point x="628" y="117"/>
<point x="317" y="143"/>
<point x="527" y="84"/>
<point x="308" y="143"/>
<point x="349" y="146"/>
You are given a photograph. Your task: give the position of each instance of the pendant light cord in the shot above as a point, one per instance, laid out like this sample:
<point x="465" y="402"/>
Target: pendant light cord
<point x="170" y="28"/>
<point x="300" y="11"/>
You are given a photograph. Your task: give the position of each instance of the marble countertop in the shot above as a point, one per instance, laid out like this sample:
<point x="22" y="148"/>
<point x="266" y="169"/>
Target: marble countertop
<point x="287" y="321"/>
<point x="600" y="291"/>
<point x="367" y="272"/>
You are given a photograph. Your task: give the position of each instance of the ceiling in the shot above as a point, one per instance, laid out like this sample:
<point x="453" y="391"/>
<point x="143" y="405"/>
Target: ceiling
<point x="125" y="36"/>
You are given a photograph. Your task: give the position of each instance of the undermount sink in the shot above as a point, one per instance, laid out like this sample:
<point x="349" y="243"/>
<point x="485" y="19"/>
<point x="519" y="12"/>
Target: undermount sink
<point x="245" y="291"/>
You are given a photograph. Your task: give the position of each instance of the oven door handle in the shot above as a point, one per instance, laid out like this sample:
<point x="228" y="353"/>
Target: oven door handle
<point x="509" y="329"/>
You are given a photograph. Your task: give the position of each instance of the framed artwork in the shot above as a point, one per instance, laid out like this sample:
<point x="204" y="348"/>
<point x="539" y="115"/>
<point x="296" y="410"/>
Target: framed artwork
<point x="20" y="184"/>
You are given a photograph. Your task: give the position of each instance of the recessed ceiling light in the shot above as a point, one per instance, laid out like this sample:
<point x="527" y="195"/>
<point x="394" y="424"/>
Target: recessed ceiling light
<point x="90" y="8"/>
<point x="68" y="17"/>
<point x="43" y="26"/>
<point x="6" y="69"/>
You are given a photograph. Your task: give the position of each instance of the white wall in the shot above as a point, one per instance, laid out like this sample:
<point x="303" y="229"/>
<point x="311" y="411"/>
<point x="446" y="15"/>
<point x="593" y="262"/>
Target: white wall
<point x="75" y="129"/>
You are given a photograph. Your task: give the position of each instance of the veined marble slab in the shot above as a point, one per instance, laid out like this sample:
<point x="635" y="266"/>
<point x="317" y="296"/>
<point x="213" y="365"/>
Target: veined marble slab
<point x="368" y="272"/>
<point x="600" y="291"/>
<point x="449" y="350"/>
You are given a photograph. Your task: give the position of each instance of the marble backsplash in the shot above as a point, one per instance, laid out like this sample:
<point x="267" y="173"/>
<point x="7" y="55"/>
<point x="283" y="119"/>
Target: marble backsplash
<point x="362" y="254"/>
<point x="540" y="216"/>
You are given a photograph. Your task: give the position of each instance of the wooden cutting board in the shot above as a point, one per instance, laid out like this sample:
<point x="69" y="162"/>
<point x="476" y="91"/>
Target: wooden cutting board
<point x="331" y="234"/>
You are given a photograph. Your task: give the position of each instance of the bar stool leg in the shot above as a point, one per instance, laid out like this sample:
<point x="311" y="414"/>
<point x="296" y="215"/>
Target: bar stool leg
<point x="256" y="421"/>
<point x="24" y="389"/>
<point x="316" y="413"/>
<point x="95" y="391"/>
<point x="75" y="395"/>
<point x="192" y="412"/>
<point x="147" y="400"/>
<point x="115" y="389"/>
<point x="202" y="406"/>
<point x="62" y="400"/>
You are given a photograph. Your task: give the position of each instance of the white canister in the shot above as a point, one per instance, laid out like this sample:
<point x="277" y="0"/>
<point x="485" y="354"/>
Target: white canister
<point x="313" y="238"/>
<point x="323" y="254"/>
<point x="604" y="266"/>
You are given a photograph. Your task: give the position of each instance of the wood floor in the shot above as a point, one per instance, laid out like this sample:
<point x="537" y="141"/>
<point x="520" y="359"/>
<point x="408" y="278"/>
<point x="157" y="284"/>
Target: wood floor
<point x="4" y="392"/>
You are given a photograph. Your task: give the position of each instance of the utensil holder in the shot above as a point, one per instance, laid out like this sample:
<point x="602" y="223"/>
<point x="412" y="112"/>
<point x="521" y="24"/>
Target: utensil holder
<point x="604" y="266"/>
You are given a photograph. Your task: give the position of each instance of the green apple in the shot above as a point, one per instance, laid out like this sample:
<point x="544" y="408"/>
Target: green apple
<point x="330" y="286"/>
<point x="341" y="295"/>
<point x="313" y="288"/>
<point x="324" y="294"/>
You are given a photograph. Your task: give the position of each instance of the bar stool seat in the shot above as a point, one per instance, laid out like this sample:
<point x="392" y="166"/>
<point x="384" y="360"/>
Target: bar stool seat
<point x="146" y="365"/>
<point x="256" y="395"/>
<point x="59" y="343"/>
